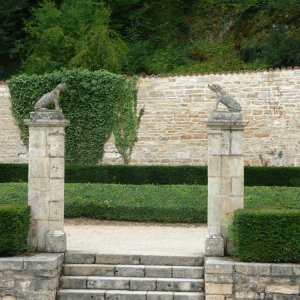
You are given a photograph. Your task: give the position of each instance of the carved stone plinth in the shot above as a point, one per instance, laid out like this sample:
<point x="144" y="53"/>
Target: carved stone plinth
<point x="46" y="180"/>
<point x="225" y="176"/>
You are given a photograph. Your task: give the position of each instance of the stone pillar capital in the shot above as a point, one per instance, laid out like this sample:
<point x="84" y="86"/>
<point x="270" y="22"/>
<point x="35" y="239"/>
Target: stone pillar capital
<point x="47" y="118"/>
<point x="226" y="120"/>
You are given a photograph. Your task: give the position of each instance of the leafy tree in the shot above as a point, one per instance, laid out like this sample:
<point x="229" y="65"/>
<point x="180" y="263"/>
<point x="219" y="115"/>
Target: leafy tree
<point x="74" y="34"/>
<point x="12" y="15"/>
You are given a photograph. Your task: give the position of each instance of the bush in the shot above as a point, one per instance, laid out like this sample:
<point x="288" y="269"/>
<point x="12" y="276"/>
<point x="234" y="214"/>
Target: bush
<point x="254" y="176"/>
<point x="147" y="203"/>
<point x="267" y="235"/>
<point x="272" y="176"/>
<point x="137" y="174"/>
<point x="14" y="226"/>
<point x="159" y="203"/>
<point x="13" y="172"/>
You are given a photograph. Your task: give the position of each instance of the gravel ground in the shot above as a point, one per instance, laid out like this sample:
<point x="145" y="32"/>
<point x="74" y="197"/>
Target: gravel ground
<point x="113" y="237"/>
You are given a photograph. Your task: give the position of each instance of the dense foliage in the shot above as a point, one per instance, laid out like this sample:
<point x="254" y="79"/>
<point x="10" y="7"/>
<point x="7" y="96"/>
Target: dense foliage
<point x="279" y="241"/>
<point x="14" y="226"/>
<point x="74" y="34"/>
<point x="159" y="203"/>
<point x="151" y="36"/>
<point x="95" y="103"/>
<point x="12" y="35"/>
<point x="254" y="176"/>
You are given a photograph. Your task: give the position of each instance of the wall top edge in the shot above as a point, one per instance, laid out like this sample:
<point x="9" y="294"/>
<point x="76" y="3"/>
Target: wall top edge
<point x="4" y="82"/>
<point x="270" y="70"/>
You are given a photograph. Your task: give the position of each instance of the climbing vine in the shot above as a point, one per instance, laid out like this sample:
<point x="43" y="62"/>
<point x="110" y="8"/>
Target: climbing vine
<point x="128" y="121"/>
<point x="96" y="103"/>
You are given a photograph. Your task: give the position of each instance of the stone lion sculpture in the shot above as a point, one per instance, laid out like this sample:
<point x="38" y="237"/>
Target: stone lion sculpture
<point x="49" y="98"/>
<point x="224" y="98"/>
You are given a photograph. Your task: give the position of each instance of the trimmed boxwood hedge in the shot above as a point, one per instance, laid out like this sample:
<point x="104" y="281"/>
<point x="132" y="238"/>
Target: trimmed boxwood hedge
<point x="267" y="235"/>
<point x="254" y="176"/>
<point x="14" y="226"/>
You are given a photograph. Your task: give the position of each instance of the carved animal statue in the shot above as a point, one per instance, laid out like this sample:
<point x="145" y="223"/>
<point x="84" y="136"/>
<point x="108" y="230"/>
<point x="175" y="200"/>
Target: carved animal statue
<point x="49" y="98"/>
<point x="224" y="98"/>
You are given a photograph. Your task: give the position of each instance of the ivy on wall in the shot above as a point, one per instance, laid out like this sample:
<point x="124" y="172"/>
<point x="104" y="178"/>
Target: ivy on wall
<point x="128" y="121"/>
<point x="96" y="103"/>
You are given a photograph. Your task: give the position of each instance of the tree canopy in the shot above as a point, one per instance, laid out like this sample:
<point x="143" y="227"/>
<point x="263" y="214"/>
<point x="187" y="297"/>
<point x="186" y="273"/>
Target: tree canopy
<point x="74" y="34"/>
<point x="150" y="36"/>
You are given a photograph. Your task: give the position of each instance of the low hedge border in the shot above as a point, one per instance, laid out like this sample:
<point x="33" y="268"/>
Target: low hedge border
<point x="267" y="235"/>
<point x="254" y="176"/>
<point x="14" y="226"/>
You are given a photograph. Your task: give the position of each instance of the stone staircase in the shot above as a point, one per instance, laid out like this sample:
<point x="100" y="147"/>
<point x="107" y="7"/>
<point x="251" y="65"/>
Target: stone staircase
<point x="131" y="277"/>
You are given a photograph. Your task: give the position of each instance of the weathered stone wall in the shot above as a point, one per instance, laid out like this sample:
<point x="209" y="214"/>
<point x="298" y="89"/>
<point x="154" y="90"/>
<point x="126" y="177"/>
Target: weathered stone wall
<point x="173" y="130"/>
<point x="226" y="279"/>
<point x="33" y="277"/>
<point x="12" y="149"/>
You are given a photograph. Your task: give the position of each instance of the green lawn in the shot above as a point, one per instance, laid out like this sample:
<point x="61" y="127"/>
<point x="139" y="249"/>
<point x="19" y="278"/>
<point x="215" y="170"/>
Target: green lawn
<point x="158" y="203"/>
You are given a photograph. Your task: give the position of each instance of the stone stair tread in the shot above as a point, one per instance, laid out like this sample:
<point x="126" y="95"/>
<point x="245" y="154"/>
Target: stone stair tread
<point x="132" y="283"/>
<point x="133" y="270"/>
<point x="92" y="294"/>
<point x="130" y="277"/>
<point x="81" y="257"/>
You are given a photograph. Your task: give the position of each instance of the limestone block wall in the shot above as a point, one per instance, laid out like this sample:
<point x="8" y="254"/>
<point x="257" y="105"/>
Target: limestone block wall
<point x="173" y="129"/>
<point x="226" y="279"/>
<point x="12" y="149"/>
<point x="32" y="277"/>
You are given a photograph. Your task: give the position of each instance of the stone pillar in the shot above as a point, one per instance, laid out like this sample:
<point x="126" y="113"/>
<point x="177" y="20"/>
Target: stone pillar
<point x="225" y="177"/>
<point x="46" y="180"/>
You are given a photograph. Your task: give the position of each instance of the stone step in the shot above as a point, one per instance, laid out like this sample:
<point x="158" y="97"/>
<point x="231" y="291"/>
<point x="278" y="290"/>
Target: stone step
<point x="133" y="270"/>
<point x="132" y="283"/>
<point x="76" y="294"/>
<point x="80" y="257"/>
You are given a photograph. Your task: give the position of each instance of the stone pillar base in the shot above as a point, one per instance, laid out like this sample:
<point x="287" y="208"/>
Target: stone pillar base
<point x="56" y="241"/>
<point x="214" y="246"/>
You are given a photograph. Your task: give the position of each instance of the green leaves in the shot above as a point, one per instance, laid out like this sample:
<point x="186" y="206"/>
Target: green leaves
<point x="14" y="226"/>
<point x="128" y="120"/>
<point x="267" y="235"/>
<point x="93" y="103"/>
<point x="75" y="34"/>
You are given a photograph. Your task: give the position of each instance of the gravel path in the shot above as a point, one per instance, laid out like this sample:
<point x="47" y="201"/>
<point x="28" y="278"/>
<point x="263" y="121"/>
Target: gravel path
<point x="135" y="238"/>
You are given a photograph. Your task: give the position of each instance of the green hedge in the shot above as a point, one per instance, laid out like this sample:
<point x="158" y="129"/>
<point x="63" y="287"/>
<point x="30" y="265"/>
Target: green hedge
<point x="137" y="174"/>
<point x="254" y="176"/>
<point x="267" y="235"/>
<point x="14" y="226"/>
<point x="147" y="203"/>
<point x="159" y="203"/>
<point x="272" y="176"/>
<point x="13" y="172"/>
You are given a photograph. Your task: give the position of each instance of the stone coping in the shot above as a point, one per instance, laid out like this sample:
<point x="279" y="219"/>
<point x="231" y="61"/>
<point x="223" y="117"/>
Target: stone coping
<point x="41" y="261"/>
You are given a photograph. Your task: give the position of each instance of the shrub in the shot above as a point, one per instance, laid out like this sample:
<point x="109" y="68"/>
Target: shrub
<point x="267" y="235"/>
<point x="254" y="176"/>
<point x="160" y="203"/>
<point x="147" y="203"/>
<point x="137" y="174"/>
<point x="272" y="176"/>
<point x="14" y="225"/>
<point x="13" y="172"/>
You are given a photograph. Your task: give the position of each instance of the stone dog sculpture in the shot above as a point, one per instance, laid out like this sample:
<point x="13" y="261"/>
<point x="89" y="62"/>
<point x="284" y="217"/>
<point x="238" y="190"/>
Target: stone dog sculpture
<point x="224" y="98"/>
<point x="49" y="98"/>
